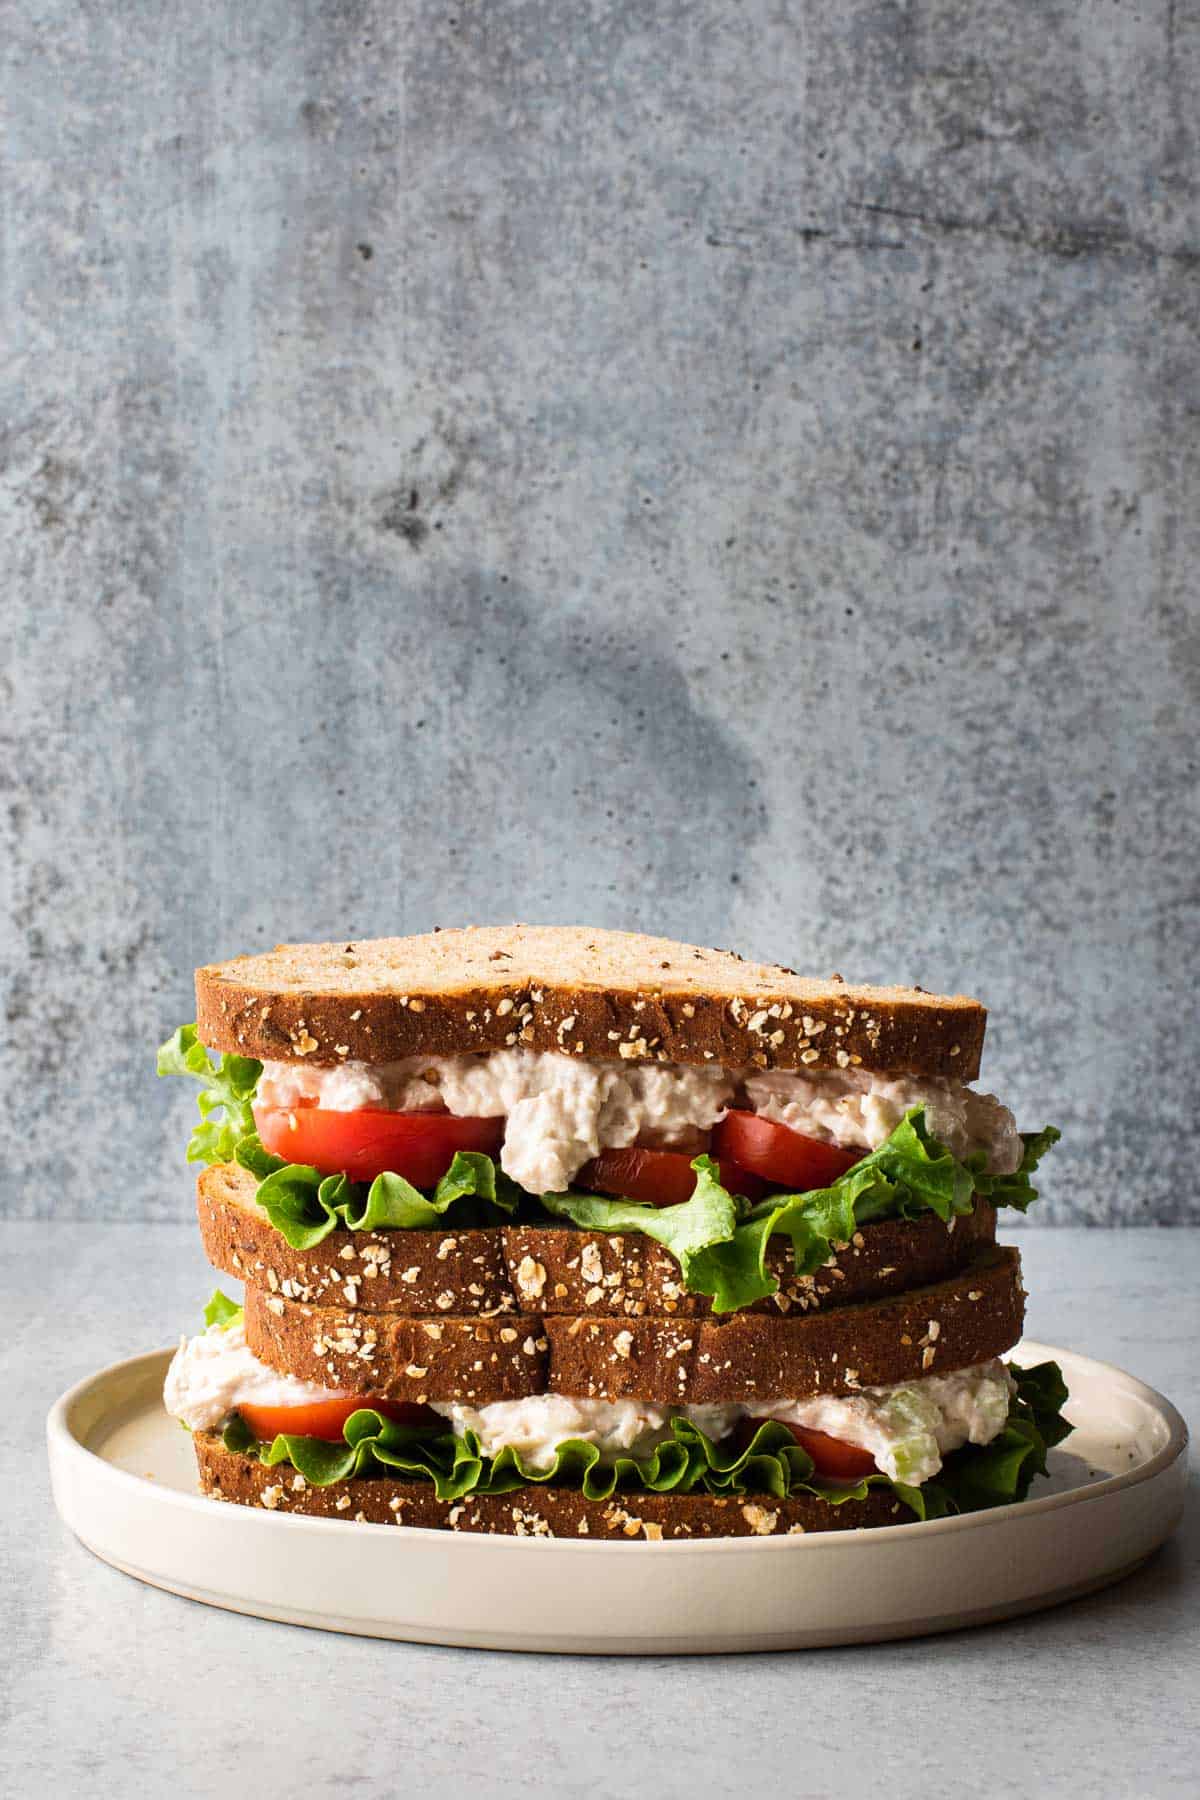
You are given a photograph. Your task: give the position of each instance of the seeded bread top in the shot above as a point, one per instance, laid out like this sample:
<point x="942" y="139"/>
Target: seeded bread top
<point x="599" y="994"/>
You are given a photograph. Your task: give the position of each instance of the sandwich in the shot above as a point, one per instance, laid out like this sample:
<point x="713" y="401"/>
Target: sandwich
<point x="549" y="1231"/>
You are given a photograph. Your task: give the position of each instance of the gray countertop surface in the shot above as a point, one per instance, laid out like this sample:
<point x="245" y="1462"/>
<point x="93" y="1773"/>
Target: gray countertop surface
<point x="108" y="1685"/>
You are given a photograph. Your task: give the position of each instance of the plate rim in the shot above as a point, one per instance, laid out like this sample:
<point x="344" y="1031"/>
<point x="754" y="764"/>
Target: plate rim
<point x="63" y="1443"/>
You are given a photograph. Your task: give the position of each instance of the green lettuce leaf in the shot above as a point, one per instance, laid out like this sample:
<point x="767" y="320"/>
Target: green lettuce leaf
<point x="305" y="1206"/>
<point x="708" y="1218"/>
<point x="995" y="1474"/>
<point x="772" y="1464"/>
<point x="226" y="1090"/>
<point x="1016" y="1189"/>
<point x="222" y="1311"/>
<point x="1042" y="1394"/>
<point x="261" y="1162"/>
<point x="302" y="1204"/>
<point x="720" y="1241"/>
<point x="909" y="1174"/>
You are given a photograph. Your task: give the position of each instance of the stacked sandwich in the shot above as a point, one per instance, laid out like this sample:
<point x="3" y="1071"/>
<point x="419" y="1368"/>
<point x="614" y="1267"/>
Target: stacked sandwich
<point x="553" y="1231"/>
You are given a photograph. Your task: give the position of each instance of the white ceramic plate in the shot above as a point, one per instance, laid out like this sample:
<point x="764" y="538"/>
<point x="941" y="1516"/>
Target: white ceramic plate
<point x="124" y="1480"/>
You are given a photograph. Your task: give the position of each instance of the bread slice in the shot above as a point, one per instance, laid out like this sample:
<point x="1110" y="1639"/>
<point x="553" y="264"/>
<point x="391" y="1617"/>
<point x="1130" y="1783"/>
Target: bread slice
<point x="550" y="1268"/>
<point x="557" y="1271"/>
<point x="398" y="1358"/>
<point x="973" y="1315"/>
<point x="533" y="1511"/>
<point x="422" y="1273"/>
<point x="600" y="994"/>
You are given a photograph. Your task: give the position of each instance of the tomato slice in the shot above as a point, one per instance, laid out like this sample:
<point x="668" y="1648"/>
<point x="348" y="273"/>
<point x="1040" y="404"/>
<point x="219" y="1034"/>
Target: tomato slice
<point x="363" y="1144"/>
<point x="325" y="1418"/>
<point x="661" y="1177"/>
<point x="780" y="1155"/>
<point x="833" y="1459"/>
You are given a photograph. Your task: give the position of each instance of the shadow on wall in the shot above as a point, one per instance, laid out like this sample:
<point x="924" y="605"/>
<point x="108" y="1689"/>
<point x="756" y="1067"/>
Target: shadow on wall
<point x="545" y="758"/>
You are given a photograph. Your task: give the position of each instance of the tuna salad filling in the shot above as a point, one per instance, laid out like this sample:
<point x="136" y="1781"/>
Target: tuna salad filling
<point x="907" y="1429"/>
<point x="562" y="1111"/>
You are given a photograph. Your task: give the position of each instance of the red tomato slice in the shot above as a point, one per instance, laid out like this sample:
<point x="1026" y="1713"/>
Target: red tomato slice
<point x="325" y="1418"/>
<point x="779" y="1154"/>
<point x="419" y="1146"/>
<point x="661" y="1177"/>
<point x="833" y="1459"/>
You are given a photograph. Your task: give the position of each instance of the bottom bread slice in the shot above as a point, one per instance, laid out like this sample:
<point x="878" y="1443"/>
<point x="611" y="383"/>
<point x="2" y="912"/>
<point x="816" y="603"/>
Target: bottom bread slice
<point x="533" y="1511"/>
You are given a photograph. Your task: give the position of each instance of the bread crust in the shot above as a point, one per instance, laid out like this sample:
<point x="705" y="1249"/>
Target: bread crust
<point x="598" y="1274"/>
<point x="975" y="1314"/>
<point x="599" y="994"/>
<point x="550" y="1268"/>
<point x="534" y="1511"/>
<point x="421" y="1273"/>
<point x="398" y="1358"/>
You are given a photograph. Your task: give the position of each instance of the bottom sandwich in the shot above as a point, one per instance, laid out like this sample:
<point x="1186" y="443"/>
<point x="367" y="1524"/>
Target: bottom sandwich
<point x="555" y="1465"/>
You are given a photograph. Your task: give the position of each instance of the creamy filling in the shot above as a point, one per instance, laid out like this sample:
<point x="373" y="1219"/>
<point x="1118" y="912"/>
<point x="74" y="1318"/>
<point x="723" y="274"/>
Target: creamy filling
<point x="908" y="1428"/>
<point x="560" y="1111"/>
<point x="861" y="1110"/>
<point x="213" y="1374"/>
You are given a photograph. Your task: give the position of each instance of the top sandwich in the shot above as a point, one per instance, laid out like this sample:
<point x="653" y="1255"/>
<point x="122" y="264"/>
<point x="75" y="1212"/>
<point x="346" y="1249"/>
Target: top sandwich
<point x="589" y="1062"/>
<point x="608" y="1213"/>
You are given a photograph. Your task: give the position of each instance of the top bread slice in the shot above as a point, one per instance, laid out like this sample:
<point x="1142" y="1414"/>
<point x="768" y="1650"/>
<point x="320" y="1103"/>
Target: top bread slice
<point x="599" y="994"/>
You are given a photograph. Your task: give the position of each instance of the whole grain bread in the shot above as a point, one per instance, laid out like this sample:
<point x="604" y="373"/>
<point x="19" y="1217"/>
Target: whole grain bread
<point x="593" y="1273"/>
<point x="534" y="1511"/>
<point x="971" y="1316"/>
<point x="550" y="1268"/>
<point x="394" y="1357"/>
<point x="422" y="1273"/>
<point x="599" y="994"/>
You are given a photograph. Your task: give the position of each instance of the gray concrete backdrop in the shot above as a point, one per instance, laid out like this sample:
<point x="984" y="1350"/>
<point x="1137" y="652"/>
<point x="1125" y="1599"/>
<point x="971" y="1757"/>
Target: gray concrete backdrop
<point x="723" y="469"/>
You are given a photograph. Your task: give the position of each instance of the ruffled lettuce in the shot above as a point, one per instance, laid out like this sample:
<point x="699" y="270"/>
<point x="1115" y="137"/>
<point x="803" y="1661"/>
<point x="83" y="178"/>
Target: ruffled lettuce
<point x="305" y="1206"/>
<point x="772" y="1465"/>
<point x="227" y="1087"/>
<point x="720" y="1241"/>
<point x="1009" y="1463"/>
<point x="1016" y="1189"/>
<point x="222" y="1311"/>
<point x="301" y="1203"/>
<point x="688" y="1230"/>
